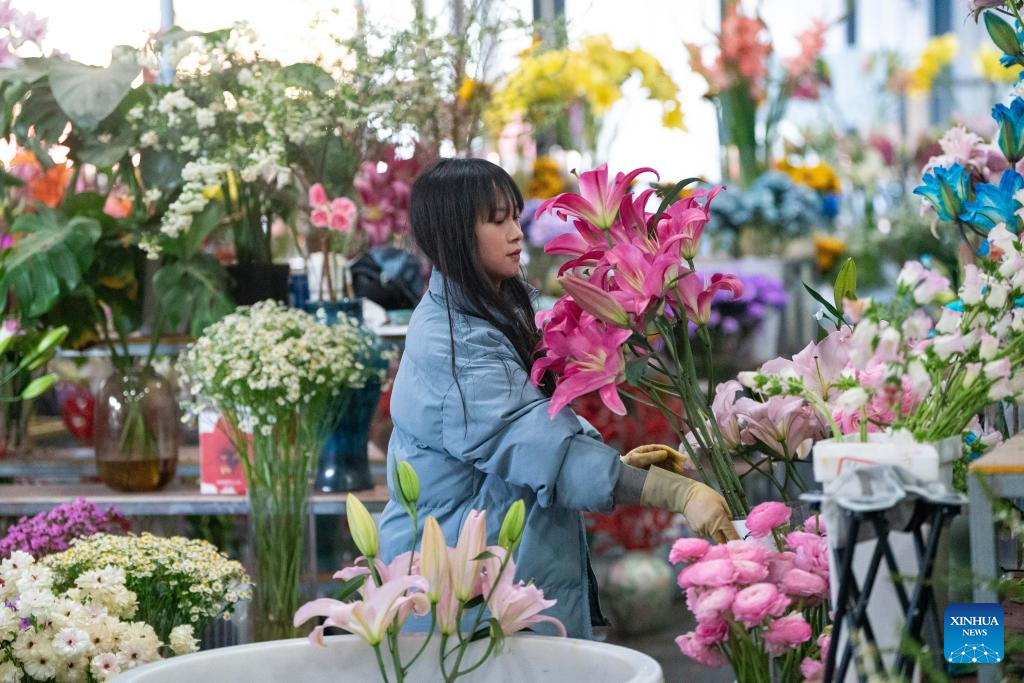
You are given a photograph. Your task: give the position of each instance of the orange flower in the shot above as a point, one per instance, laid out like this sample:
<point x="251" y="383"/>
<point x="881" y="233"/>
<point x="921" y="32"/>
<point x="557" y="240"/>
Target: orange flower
<point x="827" y="249"/>
<point x="48" y="186"/>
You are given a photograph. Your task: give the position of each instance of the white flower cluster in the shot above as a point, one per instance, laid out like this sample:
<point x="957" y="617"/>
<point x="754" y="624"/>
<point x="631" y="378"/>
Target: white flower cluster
<point x="268" y="361"/>
<point x="199" y="176"/>
<point x="49" y="635"/>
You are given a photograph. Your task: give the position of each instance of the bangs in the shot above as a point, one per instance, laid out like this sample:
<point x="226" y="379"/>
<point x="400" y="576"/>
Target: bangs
<point x="504" y="198"/>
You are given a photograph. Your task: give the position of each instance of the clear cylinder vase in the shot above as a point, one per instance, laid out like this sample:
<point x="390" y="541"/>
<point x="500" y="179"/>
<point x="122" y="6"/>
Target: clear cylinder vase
<point x="137" y="430"/>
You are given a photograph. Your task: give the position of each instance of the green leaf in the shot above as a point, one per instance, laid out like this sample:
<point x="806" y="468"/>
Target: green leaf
<point x="193" y="291"/>
<point x="497" y="635"/>
<point x="485" y="632"/>
<point x="349" y="588"/>
<point x="671" y="198"/>
<point x="845" y="286"/>
<point x="306" y="76"/>
<point x="91" y="150"/>
<point x="47" y="121"/>
<point x="475" y="602"/>
<point x="29" y="70"/>
<point x="161" y="170"/>
<point x="37" y="387"/>
<point x="821" y="300"/>
<point x="1002" y="34"/>
<point x="88" y="94"/>
<point x="635" y="369"/>
<point x="49" y="260"/>
<point x="485" y="555"/>
<point x="203" y="224"/>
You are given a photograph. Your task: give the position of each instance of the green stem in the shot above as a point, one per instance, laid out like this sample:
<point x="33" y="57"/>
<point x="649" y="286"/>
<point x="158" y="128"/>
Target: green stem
<point x="380" y="663"/>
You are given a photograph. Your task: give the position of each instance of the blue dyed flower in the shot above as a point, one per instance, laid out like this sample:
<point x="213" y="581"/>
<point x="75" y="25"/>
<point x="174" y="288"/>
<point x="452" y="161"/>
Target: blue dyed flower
<point x="956" y="306"/>
<point x="994" y="204"/>
<point x="1011" y="129"/>
<point x="946" y="189"/>
<point x="985" y="249"/>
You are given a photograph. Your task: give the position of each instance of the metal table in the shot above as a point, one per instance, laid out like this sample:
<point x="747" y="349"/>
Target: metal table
<point x="1000" y="474"/>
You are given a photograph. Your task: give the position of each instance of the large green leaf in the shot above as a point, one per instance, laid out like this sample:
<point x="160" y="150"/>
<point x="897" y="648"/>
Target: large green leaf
<point x="30" y="69"/>
<point x="88" y="94"/>
<point x="845" y="286"/>
<point x="49" y="260"/>
<point x="161" y="170"/>
<point x="194" y="290"/>
<point x="306" y="76"/>
<point x="40" y="113"/>
<point x="10" y="95"/>
<point x="202" y="225"/>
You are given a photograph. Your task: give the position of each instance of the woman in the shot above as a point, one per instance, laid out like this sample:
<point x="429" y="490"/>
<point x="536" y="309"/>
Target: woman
<point x="475" y="429"/>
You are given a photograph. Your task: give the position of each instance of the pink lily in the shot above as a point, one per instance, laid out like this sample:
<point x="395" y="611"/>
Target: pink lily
<point x="686" y="221"/>
<point x="465" y="568"/>
<point x="596" y="301"/>
<point x="595" y="363"/>
<point x="398" y="568"/>
<point x="597" y="203"/>
<point x="642" y="276"/>
<point x="696" y="297"/>
<point x="371" y="617"/>
<point x="783" y="424"/>
<point x="434" y="559"/>
<point x="515" y="605"/>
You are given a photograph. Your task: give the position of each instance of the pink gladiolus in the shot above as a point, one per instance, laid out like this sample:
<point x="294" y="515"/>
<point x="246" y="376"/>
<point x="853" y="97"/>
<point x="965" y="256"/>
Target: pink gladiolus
<point x="516" y="605"/>
<point x="708" y="573"/>
<point x="696" y="297"/>
<point x="596" y="301"/>
<point x="688" y="549"/>
<point x="754" y="603"/>
<point x="804" y="584"/>
<point x="465" y="569"/>
<point x="317" y="196"/>
<point x="786" y="633"/>
<point x="767" y="516"/>
<point x="368" y="618"/>
<point x="710" y="604"/>
<point x="597" y="203"/>
<point x="690" y="646"/>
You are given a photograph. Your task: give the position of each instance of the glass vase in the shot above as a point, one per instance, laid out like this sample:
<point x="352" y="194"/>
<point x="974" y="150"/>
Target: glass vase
<point x="14" y="418"/>
<point x="137" y="430"/>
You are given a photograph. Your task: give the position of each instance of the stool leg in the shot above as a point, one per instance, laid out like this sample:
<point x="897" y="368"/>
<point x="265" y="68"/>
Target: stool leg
<point x="983" y="557"/>
<point x="845" y="578"/>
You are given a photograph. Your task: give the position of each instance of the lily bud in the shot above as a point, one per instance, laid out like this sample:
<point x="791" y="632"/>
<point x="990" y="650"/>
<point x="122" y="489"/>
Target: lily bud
<point x="360" y="523"/>
<point x="408" y="482"/>
<point x="512" y="527"/>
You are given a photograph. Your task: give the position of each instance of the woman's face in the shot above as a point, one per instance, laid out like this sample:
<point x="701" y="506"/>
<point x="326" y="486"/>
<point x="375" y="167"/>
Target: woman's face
<point x="499" y="240"/>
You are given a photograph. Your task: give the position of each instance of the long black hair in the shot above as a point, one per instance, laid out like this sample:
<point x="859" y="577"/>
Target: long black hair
<point x="447" y="201"/>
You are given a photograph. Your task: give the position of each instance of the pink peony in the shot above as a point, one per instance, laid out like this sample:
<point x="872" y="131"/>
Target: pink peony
<point x="710" y="604"/>
<point x="754" y="603"/>
<point x="692" y="648"/>
<point x="767" y="516"/>
<point x="786" y="633"/>
<point x="712" y="631"/>
<point x="708" y="573"/>
<point x="804" y="583"/>
<point x="687" y="549"/>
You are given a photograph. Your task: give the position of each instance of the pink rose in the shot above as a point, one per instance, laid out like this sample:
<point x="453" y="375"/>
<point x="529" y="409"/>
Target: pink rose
<point x="708" y="573"/>
<point x="319" y="218"/>
<point x="317" y="195"/>
<point x="712" y="631"/>
<point x="786" y="633"/>
<point x="754" y="603"/>
<point x="687" y="549"/>
<point x="804" y="584"/>
<point x="767" y="516"/>
<point x="710" y="604"/>
<point x="812" y="670"/>
<point x="692" y="648"/>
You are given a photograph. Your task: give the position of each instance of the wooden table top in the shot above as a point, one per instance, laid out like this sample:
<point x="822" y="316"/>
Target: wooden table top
<point x="1006" y="458"/>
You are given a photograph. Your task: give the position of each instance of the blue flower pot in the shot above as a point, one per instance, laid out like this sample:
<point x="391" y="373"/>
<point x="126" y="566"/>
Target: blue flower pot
<point x="343" y="462"/>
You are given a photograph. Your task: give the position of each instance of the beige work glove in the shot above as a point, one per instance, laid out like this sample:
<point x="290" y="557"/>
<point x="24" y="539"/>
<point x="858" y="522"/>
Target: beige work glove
<point x="656" y="454"/>
<point x="704" y="508"/>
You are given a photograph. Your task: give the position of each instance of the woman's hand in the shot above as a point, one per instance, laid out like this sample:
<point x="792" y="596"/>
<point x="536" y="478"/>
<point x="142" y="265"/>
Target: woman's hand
<point x="657" y="454"/>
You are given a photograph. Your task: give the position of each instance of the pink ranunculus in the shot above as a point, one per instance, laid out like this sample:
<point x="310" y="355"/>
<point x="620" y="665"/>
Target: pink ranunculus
<point x="812" y="670"/>
<point x="712" y="631"/>
<point x="690" y="646"/>
<point x="343" y="214"/>
<point x="317" y="196"/>
<point x="804" y="584"/>
<point x="811" y="551"/>
<point x="752" y="551"/>
<point x="824" y="641"/>
<point x="750" y="572"/>
<point x="754" y="603"/>
<point x="688" y="549"/>
<point x="320" y="218"/>
<point x="708" y="573"/>
<point x="779" y="564"/>
<point x="815" y="524"/>
<point x="767" y="516"/>
<point x="786" y="633"/>
<point x="710" y="604"/>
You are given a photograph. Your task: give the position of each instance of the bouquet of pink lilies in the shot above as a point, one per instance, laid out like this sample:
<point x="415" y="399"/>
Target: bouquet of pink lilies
<point x="632" y="297"/>
<point x="471" y="583"/>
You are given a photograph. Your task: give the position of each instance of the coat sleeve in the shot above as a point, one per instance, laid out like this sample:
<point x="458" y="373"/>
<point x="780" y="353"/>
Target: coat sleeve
<point x="500" y="424"/>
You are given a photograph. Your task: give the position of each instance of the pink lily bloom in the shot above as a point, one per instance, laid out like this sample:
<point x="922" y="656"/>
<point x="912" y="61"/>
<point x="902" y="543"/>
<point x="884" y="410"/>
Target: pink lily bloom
<point x="598" y="202"/>
<point x="696" y="297"/>
<point x="370" y="617"/>
<point x="465" y="569"/>
<point x="642" y="277"/>
<point x="595" y="363"/>
<point x="515" y="604"/>
<point x="398" y="568"/>
<point x="783" y="424"/>
<point x="686" y="221"/>
<point x="596" y="301"/>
